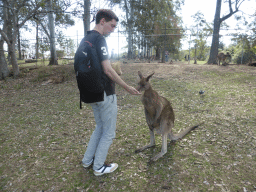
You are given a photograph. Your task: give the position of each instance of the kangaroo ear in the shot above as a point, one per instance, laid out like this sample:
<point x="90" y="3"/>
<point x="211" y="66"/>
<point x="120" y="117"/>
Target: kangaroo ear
<point x="148" y="77"/>
<point x="140" y="74"/>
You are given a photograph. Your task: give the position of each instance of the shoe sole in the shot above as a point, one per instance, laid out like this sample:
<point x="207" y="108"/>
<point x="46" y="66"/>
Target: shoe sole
<point x="99" y="173"/>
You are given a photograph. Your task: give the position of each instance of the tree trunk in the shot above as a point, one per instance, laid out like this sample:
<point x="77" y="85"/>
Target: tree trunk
<point x="12" y="47"/>
<point x="163" y="56"/>
<point x="129" y="44"/>
<point x="14" y="62"/>
<point x="53" y="59"/>
<point x="215" y="38"/>
<point x="158" y="50"/>
<point x="4" y="71"/>
<point x="19" y="47"/>
<point x="13" y="33"/>
<point x="86" y="18"/>
<point x="37" y="44"/>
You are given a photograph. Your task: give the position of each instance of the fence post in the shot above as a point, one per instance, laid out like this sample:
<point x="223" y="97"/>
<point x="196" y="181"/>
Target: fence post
<point x="189" y="50"/>
<point x="242" y="53"/>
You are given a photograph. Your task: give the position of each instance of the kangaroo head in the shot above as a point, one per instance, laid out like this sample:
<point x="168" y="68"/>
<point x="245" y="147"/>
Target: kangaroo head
<point x="143" y="83"/>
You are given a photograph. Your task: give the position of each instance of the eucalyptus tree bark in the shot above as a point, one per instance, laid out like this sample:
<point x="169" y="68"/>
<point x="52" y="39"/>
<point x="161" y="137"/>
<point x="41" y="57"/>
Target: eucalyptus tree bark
<point x="216" y="35"/>
<point x="86" y="18"/>
<point x="216" y="27"/>
<point x="37" y="42"/>
<point x="53" y="59"/>
<point x="19" y="46"/>
<point x="4" y="71"/>
<point x="11" y="41"/>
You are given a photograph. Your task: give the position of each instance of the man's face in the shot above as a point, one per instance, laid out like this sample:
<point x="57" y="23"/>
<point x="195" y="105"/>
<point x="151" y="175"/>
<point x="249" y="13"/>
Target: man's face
<point x="109" y="27"/>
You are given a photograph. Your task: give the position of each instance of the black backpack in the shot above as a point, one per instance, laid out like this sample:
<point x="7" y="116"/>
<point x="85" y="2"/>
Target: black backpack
<point x="89" y="72"/>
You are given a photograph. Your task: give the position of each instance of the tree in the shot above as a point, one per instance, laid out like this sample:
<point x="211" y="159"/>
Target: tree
<point x="53" y="58"/>
<point x="216" y="26"/>
<point x="147" y="21"/>
<point x="4" y="71"/>
<point x="244" y="48"/>
<point x="128" y="6"/>
<point x="14" y="16"/>
<point x="201" y="30"/>
<point x="57" y="8"/>
<point x="160" y="26"/>
<point x="11" y="27"/>
<point x="43" y="46"/>
<point x="86" y="17"/>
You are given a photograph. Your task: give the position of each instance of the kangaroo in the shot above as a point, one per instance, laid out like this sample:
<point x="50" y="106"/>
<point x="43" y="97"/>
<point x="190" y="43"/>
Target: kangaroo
<point x="159" y="116"/>
<point x="221" y="57"/>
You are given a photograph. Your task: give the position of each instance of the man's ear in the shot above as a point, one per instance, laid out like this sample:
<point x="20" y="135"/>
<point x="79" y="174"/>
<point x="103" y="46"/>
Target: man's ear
<point x="102" y="21"/>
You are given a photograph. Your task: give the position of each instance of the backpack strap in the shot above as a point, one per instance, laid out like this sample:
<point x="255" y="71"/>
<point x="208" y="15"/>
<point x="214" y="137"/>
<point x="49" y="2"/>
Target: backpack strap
<point x="89" y="43"/>
<point x="80" y="102"/>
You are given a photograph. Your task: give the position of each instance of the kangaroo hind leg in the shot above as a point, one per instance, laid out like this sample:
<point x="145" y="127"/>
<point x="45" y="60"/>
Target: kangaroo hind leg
<point x="151" y="144"/>
<point x="164" y="148"/>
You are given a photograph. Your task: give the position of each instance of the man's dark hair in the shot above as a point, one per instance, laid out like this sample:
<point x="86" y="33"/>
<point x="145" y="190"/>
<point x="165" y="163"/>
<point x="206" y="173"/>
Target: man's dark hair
<point x="107" y="14"/>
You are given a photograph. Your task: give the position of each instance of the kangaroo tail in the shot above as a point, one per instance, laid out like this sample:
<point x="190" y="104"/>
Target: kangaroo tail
<point x="184" y="132"/>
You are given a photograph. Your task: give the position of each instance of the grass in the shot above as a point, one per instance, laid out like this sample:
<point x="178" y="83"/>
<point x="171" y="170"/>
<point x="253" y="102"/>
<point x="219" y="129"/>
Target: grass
<point x="41" y="62"/>
<point x="44" y="134"/>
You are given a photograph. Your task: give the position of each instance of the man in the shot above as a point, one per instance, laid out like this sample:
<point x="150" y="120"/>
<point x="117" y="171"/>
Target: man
<point x="105" y="112"/>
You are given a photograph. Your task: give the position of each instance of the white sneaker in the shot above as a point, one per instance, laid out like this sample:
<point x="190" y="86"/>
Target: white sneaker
<point x="106" y="168"/>
<point x="86" y="165"/>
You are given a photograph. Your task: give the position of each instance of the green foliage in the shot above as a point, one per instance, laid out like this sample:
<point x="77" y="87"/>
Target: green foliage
<point x="200" y="31"/>
<point x="244" y="57"/>
<point x="62" y="19"/>
<point x="152" y="20"/>
<point x="68" y="45"/>
<point x="244" y="48"/>
<point x="43" y="46"/>
<point x="60" y="53"/>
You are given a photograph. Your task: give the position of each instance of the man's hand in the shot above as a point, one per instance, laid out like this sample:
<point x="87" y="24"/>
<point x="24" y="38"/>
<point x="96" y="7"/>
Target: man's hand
<point x="132" y="90"/>
<point x="111" y="73"/>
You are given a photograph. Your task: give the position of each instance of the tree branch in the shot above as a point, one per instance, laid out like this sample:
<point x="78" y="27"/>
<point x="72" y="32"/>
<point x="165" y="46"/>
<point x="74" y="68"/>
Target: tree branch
<point x="44" y="28"/>
<point x="29" y="16"/>
<point x="231" y="12"/>
<point x="3" y="34"/>
<point x="237" y="2"/>
<point x="230" y="6"/>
